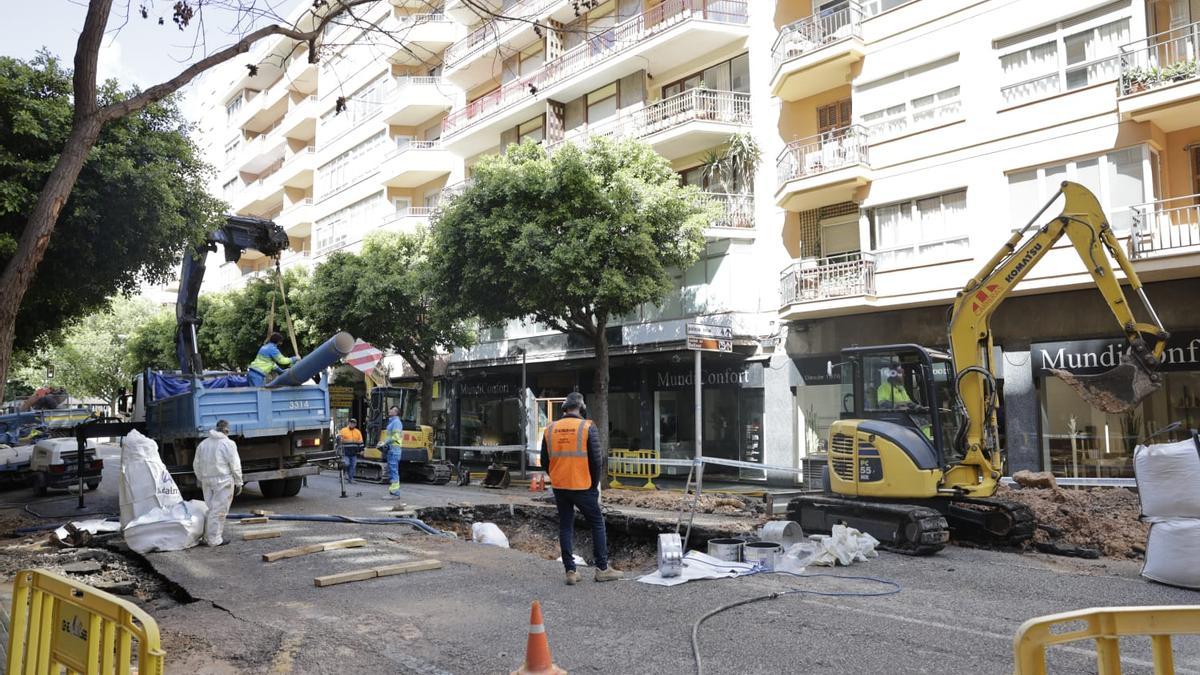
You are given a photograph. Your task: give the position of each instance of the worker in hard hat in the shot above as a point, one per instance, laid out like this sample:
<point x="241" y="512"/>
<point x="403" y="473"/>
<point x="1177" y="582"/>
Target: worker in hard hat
<point x="352" y="446"/>
<point x="268" y="360"/>
<point x="219" y="470"/>
<point x="393" y="441"/>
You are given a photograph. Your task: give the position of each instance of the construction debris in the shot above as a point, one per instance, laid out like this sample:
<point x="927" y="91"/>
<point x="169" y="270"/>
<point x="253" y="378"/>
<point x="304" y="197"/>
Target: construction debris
<point x="261" y="534"/>
<point x="1105" y="519"/>
<point x="313" y="548"/>
<point x="717" y="503"/>
<point x="384" y="571"/>
<point x="1035" y="479"/>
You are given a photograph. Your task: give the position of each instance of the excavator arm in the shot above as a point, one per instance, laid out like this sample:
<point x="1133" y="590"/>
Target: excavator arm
<point x="236" y="235"/>
<point x="1083" y="221"/>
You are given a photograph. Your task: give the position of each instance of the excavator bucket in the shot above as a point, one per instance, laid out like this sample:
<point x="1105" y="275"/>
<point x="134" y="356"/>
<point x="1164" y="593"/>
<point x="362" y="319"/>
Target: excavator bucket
<point x="497" y="477"/>
<point x="1116" y="391"/>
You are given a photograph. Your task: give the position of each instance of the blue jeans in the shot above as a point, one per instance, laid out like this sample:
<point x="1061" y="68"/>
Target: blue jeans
<point x="393" y="460"/>
<point x="255" y="378"/>
<point x="351" y="462"/>
<point x="588" y="503"/>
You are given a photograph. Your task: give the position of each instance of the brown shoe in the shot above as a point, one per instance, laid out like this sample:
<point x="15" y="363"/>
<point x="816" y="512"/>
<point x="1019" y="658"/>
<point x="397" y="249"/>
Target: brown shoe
<point x="609" y="574"/>
<point x="572" y="578"/>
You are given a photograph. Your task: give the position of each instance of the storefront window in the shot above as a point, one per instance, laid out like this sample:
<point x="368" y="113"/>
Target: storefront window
<point x="1079" y="441"/>
<point x="624" y="421"/>
<point x="489" y="421"/>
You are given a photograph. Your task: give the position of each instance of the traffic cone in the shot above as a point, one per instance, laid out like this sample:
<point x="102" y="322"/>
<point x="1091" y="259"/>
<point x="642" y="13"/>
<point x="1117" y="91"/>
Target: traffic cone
<point x="537" y="650"/>
<point x="537" y="483"/>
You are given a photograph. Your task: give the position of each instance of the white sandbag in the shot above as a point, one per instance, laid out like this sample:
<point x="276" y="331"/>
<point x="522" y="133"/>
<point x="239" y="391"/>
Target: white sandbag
<point x="145" y="483"/>
<point x="1172" y="551"/>
<point x="1168" y="479"/>
<point x="167" y="529"/>
<point x="844" y="546"/>
<point x="488" y="533"/>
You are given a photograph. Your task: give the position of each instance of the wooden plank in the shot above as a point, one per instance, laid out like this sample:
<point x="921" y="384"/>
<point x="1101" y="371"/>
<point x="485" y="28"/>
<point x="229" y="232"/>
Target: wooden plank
<point x="385" y="571"/>
<point x="261" y="534"/>
<point x="256" y="520"/>
<point x="405" y="568"/>
<point x="344" y="577"/>
<point x="313" y="548"/>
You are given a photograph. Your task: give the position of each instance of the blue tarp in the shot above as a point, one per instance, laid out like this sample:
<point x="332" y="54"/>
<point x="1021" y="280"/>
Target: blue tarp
<point x="172" y="385"/>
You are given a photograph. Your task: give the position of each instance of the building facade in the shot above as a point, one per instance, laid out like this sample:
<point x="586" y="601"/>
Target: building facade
<point x="902" y="142"/>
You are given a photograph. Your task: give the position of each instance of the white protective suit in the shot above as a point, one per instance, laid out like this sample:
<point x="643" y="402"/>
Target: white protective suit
<point x="219" y="470"/>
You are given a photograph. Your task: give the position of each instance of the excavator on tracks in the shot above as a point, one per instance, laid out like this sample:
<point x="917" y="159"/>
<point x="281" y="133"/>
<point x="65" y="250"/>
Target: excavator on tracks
<point x="916" y="455"/>
<point x="417" y="463"/>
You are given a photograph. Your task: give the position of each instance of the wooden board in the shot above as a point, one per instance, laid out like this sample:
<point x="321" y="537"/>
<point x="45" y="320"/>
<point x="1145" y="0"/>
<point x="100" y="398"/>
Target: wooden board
<point x="313" y="548"/>
<point x="385" y="571"/>
<point x="261" y="534"/>
<point x="256" y="520"/>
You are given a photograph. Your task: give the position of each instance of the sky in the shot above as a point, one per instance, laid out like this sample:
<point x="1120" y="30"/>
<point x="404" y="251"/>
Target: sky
<point x="136" y="52"/>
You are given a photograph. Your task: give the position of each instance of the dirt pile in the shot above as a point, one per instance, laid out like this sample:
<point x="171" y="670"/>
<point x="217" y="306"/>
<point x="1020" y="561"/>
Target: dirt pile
<point x="1102" y="518"/>
<point x="716" y="503"/>
<point x="104" y="569"/>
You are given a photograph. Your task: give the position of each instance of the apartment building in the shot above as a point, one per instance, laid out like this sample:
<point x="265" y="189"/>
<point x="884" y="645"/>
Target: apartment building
<point x="901" y="141"/>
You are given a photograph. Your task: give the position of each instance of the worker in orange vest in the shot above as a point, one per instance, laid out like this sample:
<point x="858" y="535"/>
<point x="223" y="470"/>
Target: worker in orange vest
<point x="571" y="449"/>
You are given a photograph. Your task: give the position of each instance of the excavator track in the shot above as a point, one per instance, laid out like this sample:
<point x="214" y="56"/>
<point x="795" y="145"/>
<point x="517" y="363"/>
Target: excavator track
<point x="990" y="521"/>
<point x="437" y="473"/>
<point x="904" y="528"/>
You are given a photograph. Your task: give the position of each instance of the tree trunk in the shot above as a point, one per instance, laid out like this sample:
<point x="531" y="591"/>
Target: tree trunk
<point x="19" y="272"/>
<point x="427" y="391"/>
<point x="599" y="403"/>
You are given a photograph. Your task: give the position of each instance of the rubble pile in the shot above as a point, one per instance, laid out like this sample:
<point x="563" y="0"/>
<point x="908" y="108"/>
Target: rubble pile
<point x="1105" y="519"/>
<point x="716" y="503"/>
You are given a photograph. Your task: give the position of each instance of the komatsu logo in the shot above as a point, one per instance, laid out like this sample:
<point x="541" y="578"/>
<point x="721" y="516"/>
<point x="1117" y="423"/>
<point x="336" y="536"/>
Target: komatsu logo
<point x="1012" y="274"/>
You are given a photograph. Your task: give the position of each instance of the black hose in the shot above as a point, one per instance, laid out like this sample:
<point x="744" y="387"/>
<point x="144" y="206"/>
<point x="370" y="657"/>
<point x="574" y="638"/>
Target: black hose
<point x="892" y="589"/>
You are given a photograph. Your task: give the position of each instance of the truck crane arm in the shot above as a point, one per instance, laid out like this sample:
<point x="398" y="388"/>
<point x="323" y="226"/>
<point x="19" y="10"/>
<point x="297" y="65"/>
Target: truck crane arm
<point x="1083" y="221"/>
<point x="238" y="234"/>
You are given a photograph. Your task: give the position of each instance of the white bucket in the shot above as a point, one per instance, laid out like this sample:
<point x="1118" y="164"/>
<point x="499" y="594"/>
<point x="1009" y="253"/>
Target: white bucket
<point x="764" y="553"/>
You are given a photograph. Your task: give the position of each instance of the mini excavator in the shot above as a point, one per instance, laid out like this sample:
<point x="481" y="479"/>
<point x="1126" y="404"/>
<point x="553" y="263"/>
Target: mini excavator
<point x="916" y="455"/>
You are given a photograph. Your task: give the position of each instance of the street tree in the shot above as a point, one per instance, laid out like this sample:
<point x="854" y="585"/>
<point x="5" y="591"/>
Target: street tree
<point x="91" y="358"/>
<point x="572" y="239"/>
<point x="384" y="296"/>
<point x="93" y="109"/>
<point x="139" y="200"/>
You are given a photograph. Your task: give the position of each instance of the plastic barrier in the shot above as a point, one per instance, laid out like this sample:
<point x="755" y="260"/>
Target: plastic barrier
<point x="59" y="623"/>
<point x="648" y="470"/>
<point x="1105" y="626"/>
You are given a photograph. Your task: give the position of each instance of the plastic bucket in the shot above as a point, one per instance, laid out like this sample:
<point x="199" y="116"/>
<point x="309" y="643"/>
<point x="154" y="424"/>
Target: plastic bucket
<point x="729" y="550"/>
<point x="764" y="553"/>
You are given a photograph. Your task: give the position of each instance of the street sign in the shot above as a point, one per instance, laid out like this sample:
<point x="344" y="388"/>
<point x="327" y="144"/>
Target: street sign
<point x="709" y="331"/>
<point x="341" y="397"/>
<point x="706" y="344"/>
<point x="363" y="356"/>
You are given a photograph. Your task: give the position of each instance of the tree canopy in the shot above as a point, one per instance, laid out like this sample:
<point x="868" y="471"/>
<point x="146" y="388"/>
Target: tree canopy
<point x="571" y="239"/>
<point x="384" y="296"/>
<point x="141" y="196"/>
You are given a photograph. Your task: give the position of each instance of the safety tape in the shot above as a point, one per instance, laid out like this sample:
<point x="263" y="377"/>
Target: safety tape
<point x="709" y="460"/>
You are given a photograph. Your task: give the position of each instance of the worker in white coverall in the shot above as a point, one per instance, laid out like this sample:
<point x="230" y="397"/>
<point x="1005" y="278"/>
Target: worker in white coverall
<point x="219" y="470"/>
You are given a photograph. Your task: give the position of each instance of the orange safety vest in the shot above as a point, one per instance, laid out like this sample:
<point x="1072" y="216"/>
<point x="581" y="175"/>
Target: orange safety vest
<point x="566" y="441"/>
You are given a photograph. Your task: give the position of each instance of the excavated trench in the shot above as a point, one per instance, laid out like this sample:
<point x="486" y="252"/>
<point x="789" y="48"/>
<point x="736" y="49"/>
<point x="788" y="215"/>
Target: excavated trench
<point x="632" y="540"/>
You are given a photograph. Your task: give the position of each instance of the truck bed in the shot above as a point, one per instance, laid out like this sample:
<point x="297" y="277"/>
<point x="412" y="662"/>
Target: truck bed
<point x="252" y="412"/>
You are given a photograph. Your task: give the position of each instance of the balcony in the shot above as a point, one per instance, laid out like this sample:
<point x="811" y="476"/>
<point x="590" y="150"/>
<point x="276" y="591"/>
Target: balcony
<point x="1160" y="79"/>
<point x="679" y="125"/>
<point x="1165" y="228"/>
<point x="465" y="12"/>
<point x="415" y="163"/>
<point x="262" y="151"/>
<point x="667" y="36"/>
<point x="824" y="169"/>
<point x="414" y="100"/>
<point x="737" y="216"/>
<point x="289" y="259"/>
<point x="262" y="194"/>
<point x="297" y="170"/>
<point x="838" y="281"/>
<point x="472" y="60"/>
<point x="300" y="121"/>
<point x="414" y="37"/>
<point x="817" y="53"/>
<point x="405" y="220"/>
<point x="297" y="219"/>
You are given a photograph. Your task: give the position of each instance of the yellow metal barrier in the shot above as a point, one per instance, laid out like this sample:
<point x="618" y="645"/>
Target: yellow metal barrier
<point x="1105" y="626"/>
<point x="618" y="469"/>
<point x="58" y="624"/>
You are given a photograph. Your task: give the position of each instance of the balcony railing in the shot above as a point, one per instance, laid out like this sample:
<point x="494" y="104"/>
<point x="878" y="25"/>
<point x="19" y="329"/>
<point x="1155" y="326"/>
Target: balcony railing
<point x="811" y="33"/>
<point x="821" y="153"/>
<point x="840" y="276"/>
<point x="407" y="145"/>
<point x="1169" y="225"/>
<point x="737" y="210"/>
<point x="1162" y="59"/>
<point x="491" y="32"/>
<point x="410" y="212"/>
<point x="710" y="105"/>
<point x="623" y="36"/>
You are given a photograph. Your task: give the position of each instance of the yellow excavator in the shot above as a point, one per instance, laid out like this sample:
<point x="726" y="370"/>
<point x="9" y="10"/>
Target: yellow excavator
<point x="417" y="462"/>
<point x="916" y="455"/>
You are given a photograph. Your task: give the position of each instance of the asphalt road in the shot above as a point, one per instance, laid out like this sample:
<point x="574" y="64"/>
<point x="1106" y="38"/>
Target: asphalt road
<point x="956" y="612"/>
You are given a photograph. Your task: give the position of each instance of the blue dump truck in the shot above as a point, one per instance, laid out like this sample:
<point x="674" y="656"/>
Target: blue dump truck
<point x="281" y="429"/>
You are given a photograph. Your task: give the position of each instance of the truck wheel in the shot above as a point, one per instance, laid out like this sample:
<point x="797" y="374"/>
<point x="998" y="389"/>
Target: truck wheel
<point x="92" y="485"/>
<point x="291" y="486"/>
<point x="39" y="484"/>
<point x="271" y="489"/>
